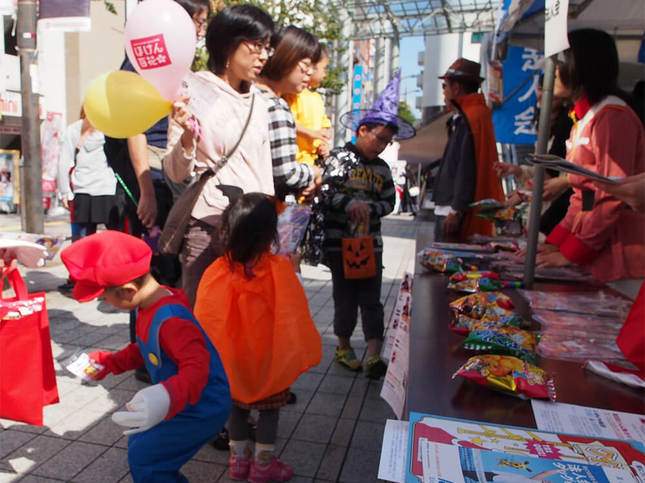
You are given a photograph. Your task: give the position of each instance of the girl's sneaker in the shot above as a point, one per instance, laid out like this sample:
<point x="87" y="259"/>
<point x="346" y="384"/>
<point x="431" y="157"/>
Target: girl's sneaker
<point x="276" y="470"/>
<point x="238" y="467"/>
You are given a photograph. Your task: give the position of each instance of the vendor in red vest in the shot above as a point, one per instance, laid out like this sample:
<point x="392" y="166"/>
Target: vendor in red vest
<point x="466" y="172"/>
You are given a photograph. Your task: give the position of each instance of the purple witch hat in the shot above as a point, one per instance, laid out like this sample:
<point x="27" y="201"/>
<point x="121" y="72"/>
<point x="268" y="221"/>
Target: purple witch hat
<point x="384" y="111"/>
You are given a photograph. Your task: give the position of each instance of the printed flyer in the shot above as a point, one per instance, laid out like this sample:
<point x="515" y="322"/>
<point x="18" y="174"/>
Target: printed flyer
<point x="522" y="444"/>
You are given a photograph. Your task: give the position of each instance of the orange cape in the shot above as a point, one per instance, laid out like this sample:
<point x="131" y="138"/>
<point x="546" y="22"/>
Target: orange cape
<point x="488" y="185"/>
<point x="261" y="327"/>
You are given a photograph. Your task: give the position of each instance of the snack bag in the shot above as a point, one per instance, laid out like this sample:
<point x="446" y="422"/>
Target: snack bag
<point x="480" y="303"/>
<point x="508" y="374"/>
<point x="462" y="324"/>
<point x="503" y="340"/>
<point x="441" y="262"/>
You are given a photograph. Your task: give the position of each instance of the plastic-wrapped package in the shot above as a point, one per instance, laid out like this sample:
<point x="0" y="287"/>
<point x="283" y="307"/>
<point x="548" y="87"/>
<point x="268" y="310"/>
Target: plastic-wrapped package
<point x="555" y="344"/>
<point x="462" y="324"/>
<point x="596" y="303"/>
<point x="478" y="281"/>
<point x="478" y="304"/>
<point x="505" y="340"/>
<point x="292" y="223"/>
<point x="509" y="375"/>
<point x="440" y="261"/>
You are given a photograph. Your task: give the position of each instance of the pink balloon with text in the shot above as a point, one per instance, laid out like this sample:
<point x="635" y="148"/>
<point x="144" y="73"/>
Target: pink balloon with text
<point x="160" y="42"/>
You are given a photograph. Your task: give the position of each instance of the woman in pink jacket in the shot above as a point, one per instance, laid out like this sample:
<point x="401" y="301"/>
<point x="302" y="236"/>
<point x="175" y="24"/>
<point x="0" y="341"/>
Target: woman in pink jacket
<point x="599" y="232"/>
<point x="208" y="124"/>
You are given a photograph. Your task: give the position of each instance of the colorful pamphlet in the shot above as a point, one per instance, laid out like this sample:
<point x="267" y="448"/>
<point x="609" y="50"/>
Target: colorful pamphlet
<point x="457" y="450"/>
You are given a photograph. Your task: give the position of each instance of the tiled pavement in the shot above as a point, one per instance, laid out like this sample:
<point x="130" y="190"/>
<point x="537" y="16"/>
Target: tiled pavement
<point x="332" y="433"/>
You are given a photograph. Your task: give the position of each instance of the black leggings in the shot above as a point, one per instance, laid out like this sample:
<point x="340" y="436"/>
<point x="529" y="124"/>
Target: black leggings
<point x="267" y="429"/>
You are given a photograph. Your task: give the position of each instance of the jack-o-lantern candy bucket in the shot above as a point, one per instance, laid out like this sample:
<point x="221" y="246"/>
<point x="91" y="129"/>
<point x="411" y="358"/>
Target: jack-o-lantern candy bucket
<point x="358" y="257"/>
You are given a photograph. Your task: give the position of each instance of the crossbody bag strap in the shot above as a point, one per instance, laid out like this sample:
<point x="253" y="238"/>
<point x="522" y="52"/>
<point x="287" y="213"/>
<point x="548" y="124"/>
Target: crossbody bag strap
<point x="223" y="160"/>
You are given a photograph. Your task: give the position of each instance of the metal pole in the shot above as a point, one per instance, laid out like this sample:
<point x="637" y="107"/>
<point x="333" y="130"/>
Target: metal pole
<point x="544" y="130"/>
<point x="31" y="192"/>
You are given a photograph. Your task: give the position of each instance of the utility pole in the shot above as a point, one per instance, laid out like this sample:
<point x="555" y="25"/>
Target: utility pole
<point x="31" y="189"/>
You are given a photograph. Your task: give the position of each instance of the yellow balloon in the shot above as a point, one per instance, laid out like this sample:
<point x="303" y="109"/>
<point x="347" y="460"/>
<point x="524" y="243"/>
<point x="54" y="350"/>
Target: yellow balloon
<point x="121" y="104"/>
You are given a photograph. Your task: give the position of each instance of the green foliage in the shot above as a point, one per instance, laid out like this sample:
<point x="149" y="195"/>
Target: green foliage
<point x="406" y="113"/>
<point x="109" y="6"/>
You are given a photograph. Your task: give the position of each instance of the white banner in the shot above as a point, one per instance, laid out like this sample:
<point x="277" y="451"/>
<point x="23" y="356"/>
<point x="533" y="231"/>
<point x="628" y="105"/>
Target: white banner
<point x="555" y="26"/>
<point x="65" y="15"/>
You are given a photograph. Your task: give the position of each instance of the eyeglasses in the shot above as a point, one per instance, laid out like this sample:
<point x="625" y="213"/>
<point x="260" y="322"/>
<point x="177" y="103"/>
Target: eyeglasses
<point x="257" y="47"/>
<point x="202" y="25"/>
<point x="306" y="66"/>
<point x="383" y="140"/>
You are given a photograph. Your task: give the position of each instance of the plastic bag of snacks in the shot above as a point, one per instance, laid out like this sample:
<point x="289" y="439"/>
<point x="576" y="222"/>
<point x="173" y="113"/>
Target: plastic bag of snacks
<point x="478" y="304"/>
<point x="479" y="281"/>
<point x="505" y="340"/>
<point x="508" y="374"/>
<point x="441" y="262"/>
<point x="462" y="324"/>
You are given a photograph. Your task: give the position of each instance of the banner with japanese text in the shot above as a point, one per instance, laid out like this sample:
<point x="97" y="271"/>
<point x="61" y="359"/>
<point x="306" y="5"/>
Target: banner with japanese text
<point x="515" y="121"/>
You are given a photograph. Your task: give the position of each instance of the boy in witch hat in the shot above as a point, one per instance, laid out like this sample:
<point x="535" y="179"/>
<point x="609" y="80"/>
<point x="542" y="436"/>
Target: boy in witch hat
<point x="357" y="192"/>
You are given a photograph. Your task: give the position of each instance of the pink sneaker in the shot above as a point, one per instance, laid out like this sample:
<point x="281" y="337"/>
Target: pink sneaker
<point x="276" y="470"/>
<point x="238" y="468"/>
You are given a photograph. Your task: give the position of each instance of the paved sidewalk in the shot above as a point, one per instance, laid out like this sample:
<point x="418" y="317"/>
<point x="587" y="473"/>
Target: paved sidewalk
<point x="332" y="433"/>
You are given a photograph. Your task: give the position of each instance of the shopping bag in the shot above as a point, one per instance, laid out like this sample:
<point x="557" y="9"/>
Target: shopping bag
<point x="27" y="376"/>
<point x="359" y="261"/>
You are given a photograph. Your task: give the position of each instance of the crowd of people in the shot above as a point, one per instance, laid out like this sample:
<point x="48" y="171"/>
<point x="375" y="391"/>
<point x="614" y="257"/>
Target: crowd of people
<point x="263" y="138"/>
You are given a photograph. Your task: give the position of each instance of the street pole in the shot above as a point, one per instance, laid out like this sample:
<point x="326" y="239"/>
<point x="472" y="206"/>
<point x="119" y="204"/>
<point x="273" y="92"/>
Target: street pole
<point x="31" y="189"/>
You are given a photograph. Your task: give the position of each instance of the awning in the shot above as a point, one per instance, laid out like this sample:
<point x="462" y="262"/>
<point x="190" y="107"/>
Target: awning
<point x="428" y="145"/>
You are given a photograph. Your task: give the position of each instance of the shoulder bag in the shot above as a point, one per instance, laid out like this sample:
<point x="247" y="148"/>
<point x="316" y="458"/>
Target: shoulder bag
<point x="172" y="235"/>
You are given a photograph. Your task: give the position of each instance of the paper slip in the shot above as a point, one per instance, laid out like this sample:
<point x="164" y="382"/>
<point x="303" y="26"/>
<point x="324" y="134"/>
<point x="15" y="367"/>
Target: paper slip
<point x="202" y="95"/>
<point x="394" y="451"/>
<point x="570" y="418"/>
<point x="82" y="366"/>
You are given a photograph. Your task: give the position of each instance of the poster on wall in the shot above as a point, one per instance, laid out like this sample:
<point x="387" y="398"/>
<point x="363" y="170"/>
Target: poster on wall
<point x="9" y="180"/>
<point x="515" y="120"/>
<point x="64" y="15"/>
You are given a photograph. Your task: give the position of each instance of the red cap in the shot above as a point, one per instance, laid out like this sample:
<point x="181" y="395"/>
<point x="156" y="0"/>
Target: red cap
<point x="463" y="69"/>
<point x="105" y="259"/>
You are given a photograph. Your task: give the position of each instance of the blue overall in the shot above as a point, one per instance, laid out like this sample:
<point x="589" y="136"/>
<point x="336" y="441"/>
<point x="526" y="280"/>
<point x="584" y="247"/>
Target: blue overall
<point x="156" y="455"/>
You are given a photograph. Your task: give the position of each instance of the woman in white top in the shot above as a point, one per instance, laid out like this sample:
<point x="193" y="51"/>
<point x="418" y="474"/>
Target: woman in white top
<point x="205" y="130"/>
<point x="86" y="182"/>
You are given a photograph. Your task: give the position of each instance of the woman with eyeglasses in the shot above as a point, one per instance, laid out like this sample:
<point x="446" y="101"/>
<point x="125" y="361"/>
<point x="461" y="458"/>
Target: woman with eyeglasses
<point x="207" y="130"/>
<point x="288" y="71"/>
<point x="599" y="232"/>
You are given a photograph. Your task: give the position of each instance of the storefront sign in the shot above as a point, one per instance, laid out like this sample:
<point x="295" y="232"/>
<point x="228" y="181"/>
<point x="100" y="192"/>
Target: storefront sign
<point x="11" y="104"/>
<point x="65" y="15"/>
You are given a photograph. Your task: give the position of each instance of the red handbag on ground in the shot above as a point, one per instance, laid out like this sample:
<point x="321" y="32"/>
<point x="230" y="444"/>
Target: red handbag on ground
<point x="27" y="376"/>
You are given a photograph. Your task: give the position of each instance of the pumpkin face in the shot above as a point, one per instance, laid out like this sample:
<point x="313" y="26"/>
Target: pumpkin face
<point x="358" y="257"/>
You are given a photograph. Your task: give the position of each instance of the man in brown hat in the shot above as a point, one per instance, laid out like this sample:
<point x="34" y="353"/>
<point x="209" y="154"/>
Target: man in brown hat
<point x="466" y="172"/>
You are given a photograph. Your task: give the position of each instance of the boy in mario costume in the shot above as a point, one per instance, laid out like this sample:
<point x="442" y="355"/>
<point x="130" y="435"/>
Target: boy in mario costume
<point x="189" y="401"/>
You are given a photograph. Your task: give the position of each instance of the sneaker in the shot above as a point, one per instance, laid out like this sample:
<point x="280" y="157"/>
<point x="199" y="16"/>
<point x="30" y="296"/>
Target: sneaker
<point x="375" y="367"/>
<point x="238" y="467"/>
<point x="347" y="357"/>
<point x="276" y="470"/>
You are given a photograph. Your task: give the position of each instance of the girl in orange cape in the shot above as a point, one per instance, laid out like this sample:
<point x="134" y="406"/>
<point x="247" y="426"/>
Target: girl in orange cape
<point x="255" y="311"/>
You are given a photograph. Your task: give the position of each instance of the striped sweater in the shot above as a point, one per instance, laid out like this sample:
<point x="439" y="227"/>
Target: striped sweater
<point x="348" y="178"/>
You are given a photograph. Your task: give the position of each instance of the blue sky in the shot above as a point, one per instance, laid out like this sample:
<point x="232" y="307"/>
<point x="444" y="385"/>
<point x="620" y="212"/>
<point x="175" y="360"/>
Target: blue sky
<point x="409" y="48"/>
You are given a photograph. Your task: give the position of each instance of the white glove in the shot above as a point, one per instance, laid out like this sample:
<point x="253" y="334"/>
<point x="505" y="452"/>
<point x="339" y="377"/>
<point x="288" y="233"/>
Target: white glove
<point x="147" y="408"/>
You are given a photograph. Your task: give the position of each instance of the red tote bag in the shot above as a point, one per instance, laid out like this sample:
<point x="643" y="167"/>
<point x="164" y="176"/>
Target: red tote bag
<point x="27" y="376"/>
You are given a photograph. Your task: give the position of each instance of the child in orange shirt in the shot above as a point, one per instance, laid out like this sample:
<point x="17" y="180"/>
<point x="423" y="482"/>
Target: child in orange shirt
<point x="308" y="109"/>
<point x="255" y="311"/>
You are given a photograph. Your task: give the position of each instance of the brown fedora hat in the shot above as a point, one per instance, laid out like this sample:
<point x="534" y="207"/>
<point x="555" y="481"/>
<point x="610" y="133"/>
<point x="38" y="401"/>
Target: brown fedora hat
<point x="463" y="69"/>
